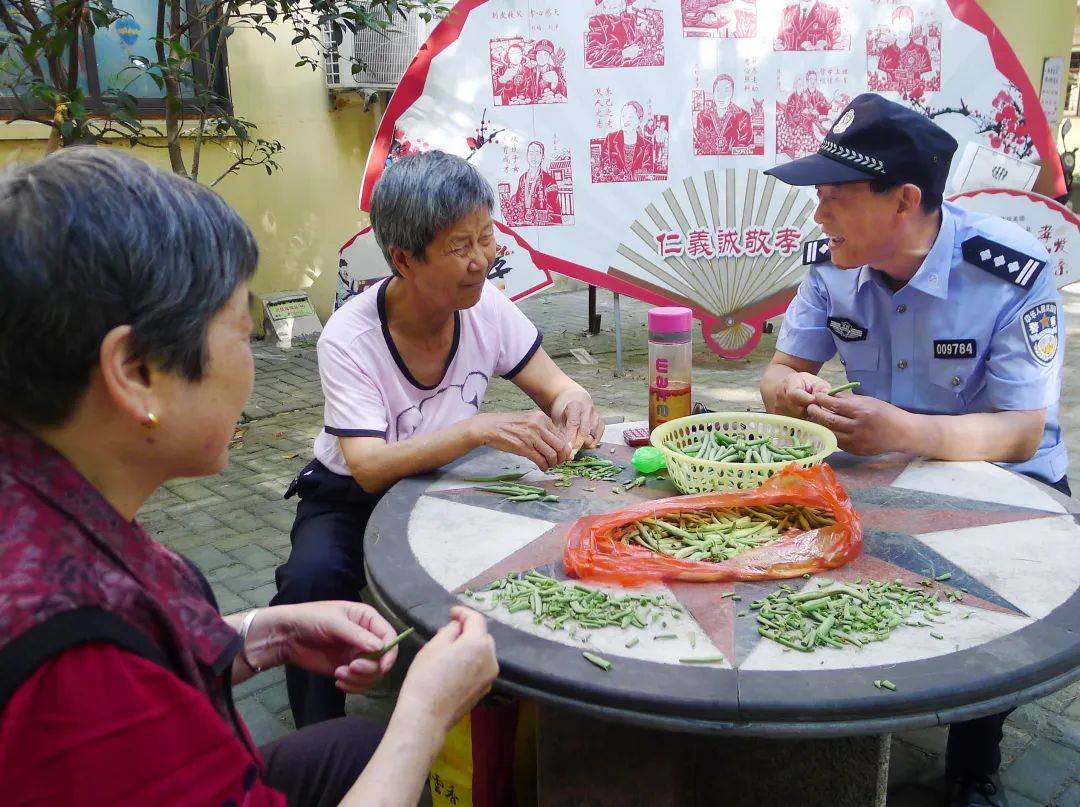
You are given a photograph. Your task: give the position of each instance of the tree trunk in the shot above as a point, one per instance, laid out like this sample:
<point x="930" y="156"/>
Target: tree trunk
<point x="174" y="102"/>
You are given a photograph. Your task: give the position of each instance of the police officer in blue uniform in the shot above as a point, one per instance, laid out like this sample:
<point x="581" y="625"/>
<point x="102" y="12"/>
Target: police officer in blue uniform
<point x="950" y="321"/>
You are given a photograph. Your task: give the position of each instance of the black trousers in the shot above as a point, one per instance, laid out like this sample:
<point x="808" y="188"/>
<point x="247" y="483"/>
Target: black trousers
<point x="326" y="563"/>
<point x="974" y="745"/>
<point x="316" y="767"/>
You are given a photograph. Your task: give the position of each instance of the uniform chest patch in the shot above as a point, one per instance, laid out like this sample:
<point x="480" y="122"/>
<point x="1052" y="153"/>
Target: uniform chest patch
<point x="847" y="330"/>
<point x="1041" y="332"/>
<point x="954" y="349"/>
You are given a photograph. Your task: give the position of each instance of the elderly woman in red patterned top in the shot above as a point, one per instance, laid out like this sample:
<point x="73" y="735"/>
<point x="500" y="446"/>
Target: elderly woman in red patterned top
<point x="125" y="362"/>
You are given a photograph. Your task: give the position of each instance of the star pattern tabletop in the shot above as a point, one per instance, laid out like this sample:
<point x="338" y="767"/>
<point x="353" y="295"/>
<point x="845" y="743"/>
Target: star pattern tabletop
<point x="919" y="522"/>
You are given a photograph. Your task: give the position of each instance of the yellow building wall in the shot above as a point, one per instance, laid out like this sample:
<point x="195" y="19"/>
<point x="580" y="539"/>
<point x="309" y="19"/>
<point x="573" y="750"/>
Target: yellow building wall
<point x="1037" y="29"/>
<point x="303" y="213"/>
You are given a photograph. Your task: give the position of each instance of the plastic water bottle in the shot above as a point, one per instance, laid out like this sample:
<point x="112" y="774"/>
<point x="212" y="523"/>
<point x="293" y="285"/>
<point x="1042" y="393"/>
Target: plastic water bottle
<point x="670" y="357"/>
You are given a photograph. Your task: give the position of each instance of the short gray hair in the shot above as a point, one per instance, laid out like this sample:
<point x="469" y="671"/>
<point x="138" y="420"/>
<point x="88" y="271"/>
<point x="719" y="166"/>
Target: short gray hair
<point x="421" y="194"/>
<point x="94" y="238"/>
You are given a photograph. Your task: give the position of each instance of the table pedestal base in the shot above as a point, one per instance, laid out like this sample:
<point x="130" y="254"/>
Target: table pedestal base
<point x="583" y="761"/>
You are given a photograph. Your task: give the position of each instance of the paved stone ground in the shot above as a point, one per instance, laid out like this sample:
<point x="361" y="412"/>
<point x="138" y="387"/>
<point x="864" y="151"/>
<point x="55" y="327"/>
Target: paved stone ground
<point x="235" y="525"/>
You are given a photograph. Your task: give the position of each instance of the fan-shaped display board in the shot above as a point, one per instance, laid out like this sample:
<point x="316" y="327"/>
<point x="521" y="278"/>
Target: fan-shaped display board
<point x="1057" y="227"/>
<point x="625" y="139"/>
<point x="1005" y="546"/>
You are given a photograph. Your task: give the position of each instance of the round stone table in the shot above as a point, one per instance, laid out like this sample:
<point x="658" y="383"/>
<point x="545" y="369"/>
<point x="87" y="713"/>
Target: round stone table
<point x="1010" y="545"/>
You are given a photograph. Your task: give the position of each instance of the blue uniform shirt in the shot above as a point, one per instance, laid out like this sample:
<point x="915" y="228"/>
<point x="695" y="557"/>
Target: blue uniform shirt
<point x="962" y="336"/>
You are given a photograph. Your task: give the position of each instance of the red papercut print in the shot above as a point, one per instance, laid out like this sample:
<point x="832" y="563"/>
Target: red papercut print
<point x="400" y="145"/>
<point x="722" y="127"/>
<point x="805" y="113"/>
<point x="622" y="35"/>
<point x="543" y="196"/>
<point x="526" y="71"/>
<point x="720" y="18"/>
<point x="904" y="56"/>
<point x="1005" y="126"/>
<point x="636" y="152"/>
<point x="813" y="25"/>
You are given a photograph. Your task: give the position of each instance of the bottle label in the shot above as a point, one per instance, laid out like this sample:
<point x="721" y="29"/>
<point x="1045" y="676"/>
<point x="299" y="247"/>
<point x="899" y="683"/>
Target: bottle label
<point x="660" y="387"/>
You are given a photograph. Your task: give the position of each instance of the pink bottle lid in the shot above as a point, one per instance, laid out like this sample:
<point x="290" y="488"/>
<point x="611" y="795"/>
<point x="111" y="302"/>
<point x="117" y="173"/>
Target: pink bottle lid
<point x="671" y="319"/>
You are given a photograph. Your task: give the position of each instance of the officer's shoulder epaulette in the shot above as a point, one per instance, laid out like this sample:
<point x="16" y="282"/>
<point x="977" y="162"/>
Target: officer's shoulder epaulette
<point x="816" y="251"/>
<point x="998" y="259"/>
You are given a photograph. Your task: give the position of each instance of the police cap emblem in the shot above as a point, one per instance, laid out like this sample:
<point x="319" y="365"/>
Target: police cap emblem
<point x="845" y="121"/>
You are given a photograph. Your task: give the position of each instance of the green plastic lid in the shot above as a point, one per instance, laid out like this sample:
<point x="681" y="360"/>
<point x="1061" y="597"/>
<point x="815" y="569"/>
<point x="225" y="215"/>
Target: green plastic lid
<point x="649" y="460"/>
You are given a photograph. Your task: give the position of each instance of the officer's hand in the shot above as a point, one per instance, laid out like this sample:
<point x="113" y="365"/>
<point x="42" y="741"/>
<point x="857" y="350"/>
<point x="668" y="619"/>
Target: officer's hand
<point x="797" y="392"/>
<point x="862" y="424"/>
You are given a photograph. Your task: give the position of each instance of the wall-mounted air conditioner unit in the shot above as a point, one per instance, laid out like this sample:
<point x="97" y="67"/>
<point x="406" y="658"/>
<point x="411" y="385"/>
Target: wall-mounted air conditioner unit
<point x="382" y="57"/>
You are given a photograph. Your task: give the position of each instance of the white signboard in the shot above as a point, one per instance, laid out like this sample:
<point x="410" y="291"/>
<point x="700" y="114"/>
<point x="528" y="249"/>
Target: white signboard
<point x="626" y="139"/>
<point x="979" y="167"/>
<point x="1057" y="227"/>
<point x="1053" y="80"/>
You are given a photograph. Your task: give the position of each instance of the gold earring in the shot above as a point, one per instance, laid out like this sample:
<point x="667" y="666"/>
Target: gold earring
<point x="151" y="421"/>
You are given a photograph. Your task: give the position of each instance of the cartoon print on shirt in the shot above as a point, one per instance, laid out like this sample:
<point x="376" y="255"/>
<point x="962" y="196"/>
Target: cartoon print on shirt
<point x="466" y="398"/>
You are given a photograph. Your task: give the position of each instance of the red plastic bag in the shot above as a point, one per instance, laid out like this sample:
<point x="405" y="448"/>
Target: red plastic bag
<point x="592" y="554"/>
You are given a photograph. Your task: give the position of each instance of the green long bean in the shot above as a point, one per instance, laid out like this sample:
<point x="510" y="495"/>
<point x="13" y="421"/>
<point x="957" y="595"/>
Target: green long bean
<point x="851" y="385"/>
<point x="739" y="448"/>
<point x="517" y="492"/>
<point x="386" y="648"/>
<point x="719" y="535"/>
<point x="702" y="660"/>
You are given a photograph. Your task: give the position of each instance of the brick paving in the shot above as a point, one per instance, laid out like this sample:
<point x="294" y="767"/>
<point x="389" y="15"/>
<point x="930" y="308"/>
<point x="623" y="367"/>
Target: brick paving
<point x="235" y="525"/>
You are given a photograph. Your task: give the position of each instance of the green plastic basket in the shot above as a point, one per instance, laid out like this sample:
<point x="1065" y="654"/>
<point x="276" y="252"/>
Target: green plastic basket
<point x="692" y="475"/>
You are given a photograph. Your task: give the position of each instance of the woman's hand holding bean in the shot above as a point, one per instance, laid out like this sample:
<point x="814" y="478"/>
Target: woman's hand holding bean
<point x="325" y="638"/>
<point x="452" y="672"/>
<point x="575" y="415"/>
<point x="531" y="435"/>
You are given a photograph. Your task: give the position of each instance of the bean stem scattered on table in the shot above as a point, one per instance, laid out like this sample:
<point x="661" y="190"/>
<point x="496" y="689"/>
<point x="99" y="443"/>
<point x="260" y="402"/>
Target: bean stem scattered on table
<point x="587" y="466"/>
<point x="602" y="663"/>
<point x="840" y="614"/>
<point x="555" y="603"/>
